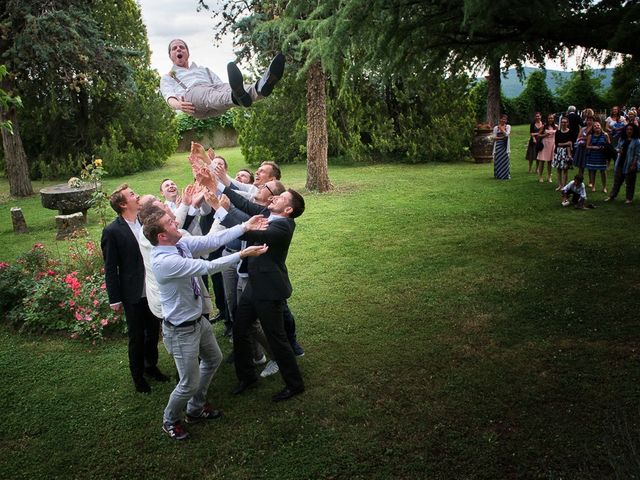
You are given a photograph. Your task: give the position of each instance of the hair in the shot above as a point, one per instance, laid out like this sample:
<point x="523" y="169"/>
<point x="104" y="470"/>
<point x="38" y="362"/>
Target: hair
<point x="297" y="203"/>
<point x="177" y="40"/>
<point x="504" y="115"/>
<point x="588" y="112"/>
<point x="275" y="168"/>
<point x="152" y="227"/>
<point x="546" y="122"/>
<point x="163" y="180"/>
<point x="117" y="198"/>
<point x="279" y="187"/>
<point x="571" y="109"/>
<point x="226" y="166"/>
<point x="251" y="177"/>
<point x="636" y="130"/>
<point x="578" y="178"/>
<point x="148" y="210"/>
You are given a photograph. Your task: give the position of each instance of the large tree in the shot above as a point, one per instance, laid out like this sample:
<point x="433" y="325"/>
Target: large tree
<point x="82" y="70"/>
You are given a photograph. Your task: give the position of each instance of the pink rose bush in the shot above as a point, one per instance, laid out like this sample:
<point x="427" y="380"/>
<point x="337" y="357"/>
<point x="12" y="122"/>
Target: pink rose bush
<point x="40" y="293"/>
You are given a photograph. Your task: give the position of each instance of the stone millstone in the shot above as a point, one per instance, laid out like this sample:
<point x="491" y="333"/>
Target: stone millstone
<point x="65" y="199"/>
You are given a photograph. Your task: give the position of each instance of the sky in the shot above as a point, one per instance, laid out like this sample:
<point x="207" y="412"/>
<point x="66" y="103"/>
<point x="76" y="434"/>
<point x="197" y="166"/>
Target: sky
<point x="169" y="19"/>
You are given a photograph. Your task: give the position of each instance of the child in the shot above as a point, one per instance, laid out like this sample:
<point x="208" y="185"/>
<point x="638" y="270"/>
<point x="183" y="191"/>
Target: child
<point x="578" y="193"/>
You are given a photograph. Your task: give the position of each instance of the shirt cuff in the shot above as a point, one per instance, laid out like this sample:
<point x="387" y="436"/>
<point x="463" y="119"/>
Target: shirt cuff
<point x="220" y="214"/>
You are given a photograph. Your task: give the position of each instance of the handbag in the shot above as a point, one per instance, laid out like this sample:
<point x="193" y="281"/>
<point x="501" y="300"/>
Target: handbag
<point x="539" y="145"/>
<point x="610" y="153"/>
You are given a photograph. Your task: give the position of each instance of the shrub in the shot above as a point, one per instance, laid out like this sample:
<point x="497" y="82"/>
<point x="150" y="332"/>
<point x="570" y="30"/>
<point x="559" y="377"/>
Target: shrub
<point x="44" y="294"/>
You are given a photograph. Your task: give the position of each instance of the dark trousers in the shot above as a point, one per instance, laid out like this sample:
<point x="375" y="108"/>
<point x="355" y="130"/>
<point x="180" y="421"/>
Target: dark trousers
<point x="218" y="285"/>
<point x="629" y="179"/>
<point x="270" y="313"/>
<point x="289" y="324"/>
<point x="143" y="328"/>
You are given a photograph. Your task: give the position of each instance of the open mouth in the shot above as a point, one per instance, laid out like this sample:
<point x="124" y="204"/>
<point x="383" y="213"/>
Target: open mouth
<point x="179" y="56"/>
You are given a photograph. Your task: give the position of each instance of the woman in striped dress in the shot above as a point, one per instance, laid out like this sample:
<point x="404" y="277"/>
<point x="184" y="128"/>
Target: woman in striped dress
<point x="501" y="149"/>
<point x="596" y="160"/>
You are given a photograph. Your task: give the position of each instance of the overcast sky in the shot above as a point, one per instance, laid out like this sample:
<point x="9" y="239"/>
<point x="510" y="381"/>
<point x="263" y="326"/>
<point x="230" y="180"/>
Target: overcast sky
<point x="169" y="19"/>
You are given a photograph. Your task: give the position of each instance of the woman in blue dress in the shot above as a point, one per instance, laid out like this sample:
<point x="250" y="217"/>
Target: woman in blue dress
<point x="596" y="159"/>
<point x="580" y="154"/>
<point x="501" y="149"/>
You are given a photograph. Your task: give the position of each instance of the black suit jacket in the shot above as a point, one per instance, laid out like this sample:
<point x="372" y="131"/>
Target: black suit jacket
<point x="123" y="264"/>
<point x="268" y="273"/>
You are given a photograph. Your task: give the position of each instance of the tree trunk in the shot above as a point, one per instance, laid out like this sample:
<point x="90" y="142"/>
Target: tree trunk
<point x="15" y="156"/>
<point x="493" y="93"/>
<point x="317" y="138"/>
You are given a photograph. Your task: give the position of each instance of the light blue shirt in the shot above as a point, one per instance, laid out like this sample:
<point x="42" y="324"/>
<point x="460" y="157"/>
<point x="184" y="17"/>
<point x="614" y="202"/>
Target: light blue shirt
<point x="174" y="272"/>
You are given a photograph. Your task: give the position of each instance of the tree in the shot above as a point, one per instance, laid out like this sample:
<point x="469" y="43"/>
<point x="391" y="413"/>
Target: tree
<point x="625" y="84"/>
<point x="583" y="89"/>
<point x="82" y="70"/>
<point x="265" y="26"/>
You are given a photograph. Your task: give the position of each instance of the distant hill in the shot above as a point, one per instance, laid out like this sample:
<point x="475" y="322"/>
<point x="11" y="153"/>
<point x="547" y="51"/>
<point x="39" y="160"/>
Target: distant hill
<point x="512" y="87"/>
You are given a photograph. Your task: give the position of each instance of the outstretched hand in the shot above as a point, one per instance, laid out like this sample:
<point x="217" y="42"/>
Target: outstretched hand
<point x="225" y="202"/>
<point x="205" y="178"/>
<point x="257" y="222"/>
<point x="187" y="194"/>
<point x="254" y="251"/>
<point x="211" y="153"/>
<point x="212" y="200"/>
<point x="222" y="175"/>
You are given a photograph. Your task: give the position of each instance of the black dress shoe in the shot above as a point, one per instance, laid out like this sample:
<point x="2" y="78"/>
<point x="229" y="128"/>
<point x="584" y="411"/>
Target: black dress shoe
<point x="238" y="94"/>
<point x="141" y="385"/>
<point x="265" y="85"/>
<point x="244" y="385"/>
<point x="286" y="393"/>
<point x="156" y="374"/>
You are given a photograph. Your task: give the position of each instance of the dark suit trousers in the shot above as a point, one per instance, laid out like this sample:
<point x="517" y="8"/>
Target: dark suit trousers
<point x="143" y="328"/>
<point x="270" y="313"/>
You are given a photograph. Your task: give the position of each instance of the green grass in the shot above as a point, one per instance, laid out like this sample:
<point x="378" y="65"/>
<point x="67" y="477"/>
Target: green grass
<point x="455" y="327"/>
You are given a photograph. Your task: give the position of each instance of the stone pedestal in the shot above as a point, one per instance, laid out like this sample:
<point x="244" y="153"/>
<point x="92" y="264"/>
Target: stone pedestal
<point x="67" y="200"/>
<point x="17" y="218"/>
<point x="70" y="225"/>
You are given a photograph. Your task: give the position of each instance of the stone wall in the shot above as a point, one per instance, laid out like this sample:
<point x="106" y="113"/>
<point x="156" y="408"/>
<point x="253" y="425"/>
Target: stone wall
<point x="218" y="138"/>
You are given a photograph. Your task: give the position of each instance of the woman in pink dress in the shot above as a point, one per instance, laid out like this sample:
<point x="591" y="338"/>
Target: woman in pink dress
<point x="547" y="135"/>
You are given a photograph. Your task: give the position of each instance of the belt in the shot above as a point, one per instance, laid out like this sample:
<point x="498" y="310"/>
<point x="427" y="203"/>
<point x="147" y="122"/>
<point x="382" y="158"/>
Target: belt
<point x="189" y="323"/>
<point x="232" y="250"/>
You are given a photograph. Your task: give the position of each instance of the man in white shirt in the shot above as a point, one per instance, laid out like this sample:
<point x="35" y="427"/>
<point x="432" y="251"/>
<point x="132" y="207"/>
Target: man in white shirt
<point x="185" y="336"/>
<point x="200" y="93"/>
<point x="125" y="280"/>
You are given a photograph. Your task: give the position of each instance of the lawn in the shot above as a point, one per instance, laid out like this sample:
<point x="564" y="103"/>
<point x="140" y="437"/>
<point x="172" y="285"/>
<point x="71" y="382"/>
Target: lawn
<point x="455" y="326"/>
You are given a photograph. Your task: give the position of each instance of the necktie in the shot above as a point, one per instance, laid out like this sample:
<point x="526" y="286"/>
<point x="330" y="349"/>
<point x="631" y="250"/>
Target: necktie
<point x="194" y="282"/>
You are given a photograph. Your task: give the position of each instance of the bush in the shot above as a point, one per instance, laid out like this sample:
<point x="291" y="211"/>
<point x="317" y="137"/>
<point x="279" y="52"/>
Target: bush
<point x="44" y="294"/>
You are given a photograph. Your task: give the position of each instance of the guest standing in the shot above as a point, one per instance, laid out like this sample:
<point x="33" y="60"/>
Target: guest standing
<point x="501" y="150"/>
<point x="547" y="135"/>
<point x="563" y="151"/>
<point x="534" y="129"/>
<point x="580" y="153"/>
<point x="596" y="159"/>
<point x="626" y="165"/>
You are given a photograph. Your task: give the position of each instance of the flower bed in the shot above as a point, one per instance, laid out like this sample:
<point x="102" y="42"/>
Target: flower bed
<point x="41" y="293"/>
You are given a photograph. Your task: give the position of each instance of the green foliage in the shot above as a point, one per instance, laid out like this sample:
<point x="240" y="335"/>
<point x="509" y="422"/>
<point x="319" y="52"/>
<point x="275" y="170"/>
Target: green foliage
<point x="93" y="173"/>
<point x="582" y="89"/>
<point x="83" y="71"/>
<point x="187" y="123"/>
<point x="625" y="84"/>
<point x="43" y="294"/>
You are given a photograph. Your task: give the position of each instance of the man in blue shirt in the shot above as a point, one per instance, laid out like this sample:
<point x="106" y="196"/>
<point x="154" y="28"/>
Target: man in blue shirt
<point x="185" y="336"/>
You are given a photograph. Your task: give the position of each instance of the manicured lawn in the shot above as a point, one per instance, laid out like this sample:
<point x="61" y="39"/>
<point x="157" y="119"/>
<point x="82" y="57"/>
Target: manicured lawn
<point x="455" y="326"/>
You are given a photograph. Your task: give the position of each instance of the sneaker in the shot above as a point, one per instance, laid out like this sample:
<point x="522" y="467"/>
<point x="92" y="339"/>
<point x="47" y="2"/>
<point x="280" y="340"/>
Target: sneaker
<point x="566" y="203"/>
<point x="271" y="369"/>
<point x="207" y="413"/>
<point x="260" y="361"/>
<point x="297" y="349"/>
<point x="175" y="430"/>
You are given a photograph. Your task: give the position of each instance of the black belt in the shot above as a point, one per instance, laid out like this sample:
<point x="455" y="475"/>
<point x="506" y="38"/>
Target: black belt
<point x="190" y="323"/>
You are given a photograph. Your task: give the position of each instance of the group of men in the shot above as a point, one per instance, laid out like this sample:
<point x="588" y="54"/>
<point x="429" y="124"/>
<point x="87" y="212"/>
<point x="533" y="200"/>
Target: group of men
<point x="154" y="273"/>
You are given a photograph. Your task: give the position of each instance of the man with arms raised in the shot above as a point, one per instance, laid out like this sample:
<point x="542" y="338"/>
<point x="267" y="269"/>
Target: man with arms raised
<point x="186" y="337"/>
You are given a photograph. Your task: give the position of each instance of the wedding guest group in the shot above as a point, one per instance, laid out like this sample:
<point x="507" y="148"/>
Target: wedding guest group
<point x="155" y="259"/>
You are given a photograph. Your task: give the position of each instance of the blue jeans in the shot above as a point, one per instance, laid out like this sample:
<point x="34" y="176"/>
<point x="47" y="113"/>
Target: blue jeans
<point x="185" y="345"/>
